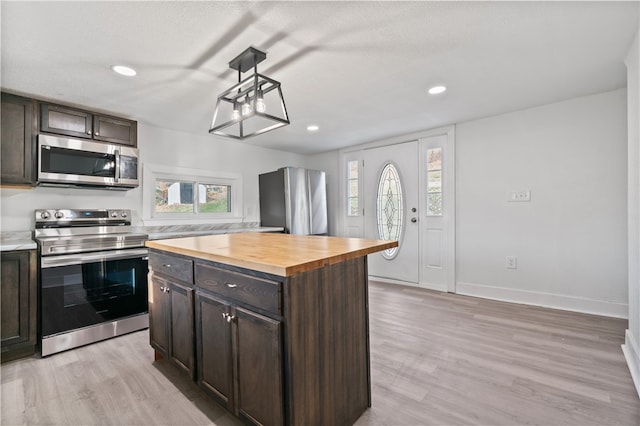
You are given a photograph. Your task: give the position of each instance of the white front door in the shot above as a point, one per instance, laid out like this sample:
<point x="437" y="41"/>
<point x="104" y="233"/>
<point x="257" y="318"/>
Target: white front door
<point x="392" y="210"/>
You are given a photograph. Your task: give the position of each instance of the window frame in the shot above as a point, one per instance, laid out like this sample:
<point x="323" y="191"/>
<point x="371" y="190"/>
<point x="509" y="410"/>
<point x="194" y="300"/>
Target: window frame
<point x="196" y="177"/>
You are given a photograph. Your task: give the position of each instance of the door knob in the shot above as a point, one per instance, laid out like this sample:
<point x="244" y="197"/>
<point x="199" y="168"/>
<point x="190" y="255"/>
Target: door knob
<point x="414" y="220"/>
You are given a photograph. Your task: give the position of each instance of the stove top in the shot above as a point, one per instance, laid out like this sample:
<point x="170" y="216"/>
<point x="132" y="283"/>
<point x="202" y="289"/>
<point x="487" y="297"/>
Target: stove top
<point x="65" y="231"/>
<point x="69" y="218"/>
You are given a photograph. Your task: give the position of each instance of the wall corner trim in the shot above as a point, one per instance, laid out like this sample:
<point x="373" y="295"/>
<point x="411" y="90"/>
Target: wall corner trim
<point x="631" y="352"/>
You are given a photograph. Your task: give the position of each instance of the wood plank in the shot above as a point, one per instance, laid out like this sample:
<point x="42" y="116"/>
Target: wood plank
<point x="436" y="358"/>
<point x="279" y="254"/>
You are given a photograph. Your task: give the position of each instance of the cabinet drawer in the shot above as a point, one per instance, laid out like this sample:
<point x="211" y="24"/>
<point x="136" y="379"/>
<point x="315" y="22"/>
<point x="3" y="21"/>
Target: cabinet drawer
<point x="173" y="266"/>
<point x="259" y="292"/>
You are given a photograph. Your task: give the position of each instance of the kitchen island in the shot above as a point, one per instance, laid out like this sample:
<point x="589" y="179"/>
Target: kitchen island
<point x="274" y="327"/>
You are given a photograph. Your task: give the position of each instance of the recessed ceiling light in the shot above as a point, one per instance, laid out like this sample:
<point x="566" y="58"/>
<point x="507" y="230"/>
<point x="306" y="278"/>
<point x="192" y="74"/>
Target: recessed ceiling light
<point x="313" y="128"/>
<point x="437" y="89"/>
<point x="123" y="70"/>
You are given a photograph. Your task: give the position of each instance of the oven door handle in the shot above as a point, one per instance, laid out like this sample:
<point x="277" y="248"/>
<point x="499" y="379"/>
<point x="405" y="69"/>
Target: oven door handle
<point x="77" y="259"/>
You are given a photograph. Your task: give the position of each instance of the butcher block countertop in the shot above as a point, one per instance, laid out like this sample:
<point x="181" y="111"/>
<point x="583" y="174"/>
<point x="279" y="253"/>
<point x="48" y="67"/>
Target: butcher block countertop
<point x="279" y="254"/>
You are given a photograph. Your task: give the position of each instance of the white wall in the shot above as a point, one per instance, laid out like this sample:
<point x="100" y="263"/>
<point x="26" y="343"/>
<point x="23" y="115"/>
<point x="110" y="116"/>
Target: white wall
<point x="208" y="153"/>
<point x="157" y="146"/>
<point x="631" y="346"/>
<point x="329" y="162"/>
<point x="570" y="240"/>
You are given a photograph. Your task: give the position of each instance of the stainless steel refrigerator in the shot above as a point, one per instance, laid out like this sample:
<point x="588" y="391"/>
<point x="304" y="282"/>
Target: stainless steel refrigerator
<point x="296" y="199"/>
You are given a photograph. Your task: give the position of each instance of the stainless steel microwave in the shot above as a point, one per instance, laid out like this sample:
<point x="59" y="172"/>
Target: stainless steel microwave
<point x="74" y="162"/>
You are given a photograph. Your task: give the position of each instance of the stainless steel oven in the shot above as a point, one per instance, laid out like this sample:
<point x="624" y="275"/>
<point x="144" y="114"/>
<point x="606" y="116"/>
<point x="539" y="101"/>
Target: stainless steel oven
<point x="93" y="277"/>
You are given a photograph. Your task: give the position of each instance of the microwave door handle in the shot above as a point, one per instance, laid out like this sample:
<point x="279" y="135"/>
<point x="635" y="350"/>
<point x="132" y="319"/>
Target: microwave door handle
<point x="117" y="152"/>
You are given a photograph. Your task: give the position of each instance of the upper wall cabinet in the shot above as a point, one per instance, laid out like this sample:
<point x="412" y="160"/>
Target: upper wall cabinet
<point x="79" y="123"/>
<point x="18" y="140"/>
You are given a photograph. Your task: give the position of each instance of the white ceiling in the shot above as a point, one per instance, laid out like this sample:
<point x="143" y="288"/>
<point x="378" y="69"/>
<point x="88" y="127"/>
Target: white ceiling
<point x="360" y="70"/>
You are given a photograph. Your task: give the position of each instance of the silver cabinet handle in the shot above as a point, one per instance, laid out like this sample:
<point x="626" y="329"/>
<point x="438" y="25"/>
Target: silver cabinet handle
<point x="88" y="132"/>
<point x="230" y="285"/>
<point x="228" y="317"/>
<point x="97" y="134"/>
<point x="166" y="265"/>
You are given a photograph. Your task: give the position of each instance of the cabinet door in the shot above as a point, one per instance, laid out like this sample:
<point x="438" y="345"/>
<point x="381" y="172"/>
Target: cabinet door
<point x="158" y="315"/>
<point x="18" y="298"/>
<point x="18" y="144"/>
<point x="115" y="130"/>
<point x="181" y="327"/>
<point x="65" y="121"/>
<point x="260" y="387"/>
<point x="214" y="348"/>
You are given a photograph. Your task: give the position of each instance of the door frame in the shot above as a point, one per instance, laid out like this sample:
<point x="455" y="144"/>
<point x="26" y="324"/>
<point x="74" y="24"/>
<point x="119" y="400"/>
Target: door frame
<point x="346" y="225"/>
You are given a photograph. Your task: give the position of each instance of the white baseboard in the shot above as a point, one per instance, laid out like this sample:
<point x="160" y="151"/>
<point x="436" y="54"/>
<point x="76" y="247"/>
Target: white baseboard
<point x="631" y="352"/>
<point x="392" y="281"/>
<point x="547" y="300"/>
<point x="428" y="286"/>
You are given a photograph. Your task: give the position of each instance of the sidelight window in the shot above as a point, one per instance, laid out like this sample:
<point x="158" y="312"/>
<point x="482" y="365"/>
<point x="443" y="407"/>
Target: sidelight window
<point x="353" y="198"/>
<point x="434" y="182"/>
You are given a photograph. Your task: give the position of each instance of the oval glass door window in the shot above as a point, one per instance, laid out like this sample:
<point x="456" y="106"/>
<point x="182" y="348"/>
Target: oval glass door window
<point x="390" y="208"/>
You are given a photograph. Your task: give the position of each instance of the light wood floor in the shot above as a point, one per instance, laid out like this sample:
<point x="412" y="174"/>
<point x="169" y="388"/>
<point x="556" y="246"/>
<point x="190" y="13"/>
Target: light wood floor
<point x="437" y="359"/>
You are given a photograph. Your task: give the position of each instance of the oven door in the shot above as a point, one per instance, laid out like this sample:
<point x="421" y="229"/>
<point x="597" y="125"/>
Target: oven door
<point x="91" y="288"/>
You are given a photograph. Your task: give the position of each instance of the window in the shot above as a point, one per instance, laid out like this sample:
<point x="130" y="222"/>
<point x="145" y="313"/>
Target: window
<point x="214" y="198"/>
<point x="173" y="196"/>
<point x="353" y="199"/>
<point x="177" y="193"/>
<point x="434" y="182"/>
<point x="389" y="208"/>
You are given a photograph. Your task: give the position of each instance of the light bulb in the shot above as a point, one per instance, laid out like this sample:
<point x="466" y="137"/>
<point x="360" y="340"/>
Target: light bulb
<point x="246" y="108"/>
<point x="260" y="105"/>
<point x="235" y="115"/>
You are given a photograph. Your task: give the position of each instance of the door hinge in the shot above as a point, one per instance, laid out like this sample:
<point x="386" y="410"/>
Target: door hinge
<point x="362" y="163"/>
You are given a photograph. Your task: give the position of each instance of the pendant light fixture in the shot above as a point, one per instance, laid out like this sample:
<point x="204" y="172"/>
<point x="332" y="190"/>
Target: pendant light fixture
<point x="251" y="107"/>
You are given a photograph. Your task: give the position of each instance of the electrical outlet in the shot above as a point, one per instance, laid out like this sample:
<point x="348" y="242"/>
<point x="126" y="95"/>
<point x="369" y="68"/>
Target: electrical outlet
<point x="519" y="196"/>
<point x="512" y="262"/>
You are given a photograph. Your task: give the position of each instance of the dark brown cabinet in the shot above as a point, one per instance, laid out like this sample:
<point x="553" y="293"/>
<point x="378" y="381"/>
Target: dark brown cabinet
<point x="18" y="140"/>
<point x="271" y="349"/>
<point x="171" y="321"/>
<point x="79" y="123"/>
<point x="18" y="298"/>
<point x="239" y="358"/>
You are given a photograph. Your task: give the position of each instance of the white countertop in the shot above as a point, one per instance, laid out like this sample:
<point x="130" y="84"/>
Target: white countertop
<point x="161" y="235"/>
<point x="22" y="240"/>
<point x="17" y="240"/>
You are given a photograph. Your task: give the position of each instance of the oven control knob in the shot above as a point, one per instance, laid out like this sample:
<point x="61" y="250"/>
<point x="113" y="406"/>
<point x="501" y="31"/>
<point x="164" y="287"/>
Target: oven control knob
<point x="123" y="214"/>
<point x="114" y="214"/>
<point x="58" y="215"/>
<point x="45" y="215"/>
